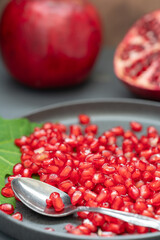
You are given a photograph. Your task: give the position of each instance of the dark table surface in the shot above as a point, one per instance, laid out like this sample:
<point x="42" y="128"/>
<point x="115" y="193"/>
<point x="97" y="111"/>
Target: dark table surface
<point x="17" y="100"/>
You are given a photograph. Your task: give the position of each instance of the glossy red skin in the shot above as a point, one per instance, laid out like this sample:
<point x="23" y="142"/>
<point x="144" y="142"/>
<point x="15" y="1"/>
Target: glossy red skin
<point x="50" y="43"/>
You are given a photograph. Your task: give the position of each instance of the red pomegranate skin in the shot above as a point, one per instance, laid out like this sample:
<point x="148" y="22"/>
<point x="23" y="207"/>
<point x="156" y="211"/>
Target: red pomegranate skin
<point x="50" y="43"/>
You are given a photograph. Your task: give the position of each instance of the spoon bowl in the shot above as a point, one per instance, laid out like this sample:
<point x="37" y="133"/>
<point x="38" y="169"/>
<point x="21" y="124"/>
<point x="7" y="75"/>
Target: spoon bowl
<point x="33" y="193"/>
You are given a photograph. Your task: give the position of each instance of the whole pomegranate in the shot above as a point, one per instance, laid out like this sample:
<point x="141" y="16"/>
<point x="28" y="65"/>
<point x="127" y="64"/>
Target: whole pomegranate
<point x="50" y="43"/>
<point x="137" y="57"/>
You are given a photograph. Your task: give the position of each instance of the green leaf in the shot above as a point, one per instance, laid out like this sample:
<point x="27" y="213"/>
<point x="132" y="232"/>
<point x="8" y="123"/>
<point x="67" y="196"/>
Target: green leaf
<point x="9" y="153"/>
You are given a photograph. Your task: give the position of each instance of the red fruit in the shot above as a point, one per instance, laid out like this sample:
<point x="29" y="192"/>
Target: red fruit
<point x="136" y="60"/>
<point x="50" y="43"/>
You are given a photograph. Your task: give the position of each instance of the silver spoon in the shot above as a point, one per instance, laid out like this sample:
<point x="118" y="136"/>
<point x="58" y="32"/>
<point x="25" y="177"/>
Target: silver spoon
<point x="33" y="194"/>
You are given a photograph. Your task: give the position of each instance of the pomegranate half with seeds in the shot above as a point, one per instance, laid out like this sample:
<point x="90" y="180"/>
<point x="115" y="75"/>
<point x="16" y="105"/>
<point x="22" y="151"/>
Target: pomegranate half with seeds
<point x="137" y="57"/>
<point x="50" y="43"/>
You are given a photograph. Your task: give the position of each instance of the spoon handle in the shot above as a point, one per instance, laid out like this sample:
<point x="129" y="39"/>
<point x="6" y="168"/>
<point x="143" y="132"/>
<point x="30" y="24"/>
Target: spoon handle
<point x="136" y="219"/>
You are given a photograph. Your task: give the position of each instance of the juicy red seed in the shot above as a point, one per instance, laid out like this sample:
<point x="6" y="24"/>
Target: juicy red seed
<point x="92" y="128"/>
<point x="102" y="196"/>
<point x="140" y="206"/>
<point x="84" y="119"/>
<point x="88" y="194"/>
<point x="117" y="131"/>
<point x="65" y="185"/>
<point x="117" y="203"/>
<point x="135" y="126"/>
<point x="154" y="185"/>
<point x="49" y="202"/>
<point x="18" y="216"/>
<point x="18" y="169"/>
<point x="69" y="227"/>
<point x="57" y="202"/>
<point x="65" y="172"/>
<point x="76" y="197"/>
<point x="7" y="192"/>
<point x="7" y="208"/>
<point x="106" y="169"/>
<point x="75" y="130"/>
<point x="133" y="192"/>
<point x="27" y="173"/>
<point x="87" y="223"/>
<point x="155" y="200"/>
<point x="145" y="191"/>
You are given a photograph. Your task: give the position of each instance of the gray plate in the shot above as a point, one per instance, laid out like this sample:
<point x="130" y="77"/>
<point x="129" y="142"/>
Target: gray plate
<point x="105" y="113"/>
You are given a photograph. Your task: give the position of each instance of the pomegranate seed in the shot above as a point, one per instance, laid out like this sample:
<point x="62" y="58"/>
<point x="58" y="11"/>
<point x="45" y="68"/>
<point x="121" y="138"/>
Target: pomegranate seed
<point x="87" y="223"/>
<point x="84" y="229"/>
<point x="65" y="185"/>
<point x="18" y="169"/>
<point x="135" y="126"/>
<point x="7" y="192"/>
<point x="49" y="202"/>
<point x="92" y="128"/>
<point x="57" y="201"/>
<point x="18" y="216"/>
<point x="84" y="119"/>
<point x="155" y="200"/>
<point x="88" y="194"/>
<point x="133" y="192"/>
<point x="7" y="208"/>
<point x="76" y="197"/>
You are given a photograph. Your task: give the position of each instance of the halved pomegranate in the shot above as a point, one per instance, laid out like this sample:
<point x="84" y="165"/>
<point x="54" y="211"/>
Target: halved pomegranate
<point x="137" y="57"/>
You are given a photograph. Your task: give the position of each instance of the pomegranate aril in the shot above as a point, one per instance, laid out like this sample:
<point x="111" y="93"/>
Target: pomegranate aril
<point x="7" y="192"/>
<point x="117" y="203"/>
<point x="154" y="185"/>
<point x="130" y="228"/>
<point x="18" y="216"/>
<point x="92" y="128"/>
<point x="18" y="169"/>
<point x="97" y="219"/>
<point x="133" y="192"/>
<point x="155" y="200"/>
<point x="84" y="229"/>
<point x="57" y="201"/>
<point x="84" y="119"/>
<point x="88" y="194"/>
<point x="49" y="202"/>
<point x="140" y="206"/>
<point x="65" y="172"/>
<point x="76" y="197"/>
<point x="145" y="191"/>
<point x="135" y="126"/>
<point x="7" y="208"/>
<point x="102" y="196"/>
<point x="98" y="178"/>
<point x="65" y="185"/>
<point x="141" y="229"/>
<point x="89" y="224"/>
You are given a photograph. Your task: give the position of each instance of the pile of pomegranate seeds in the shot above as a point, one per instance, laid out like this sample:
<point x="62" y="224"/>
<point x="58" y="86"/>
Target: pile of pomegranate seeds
<point x="95" y="171"/>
